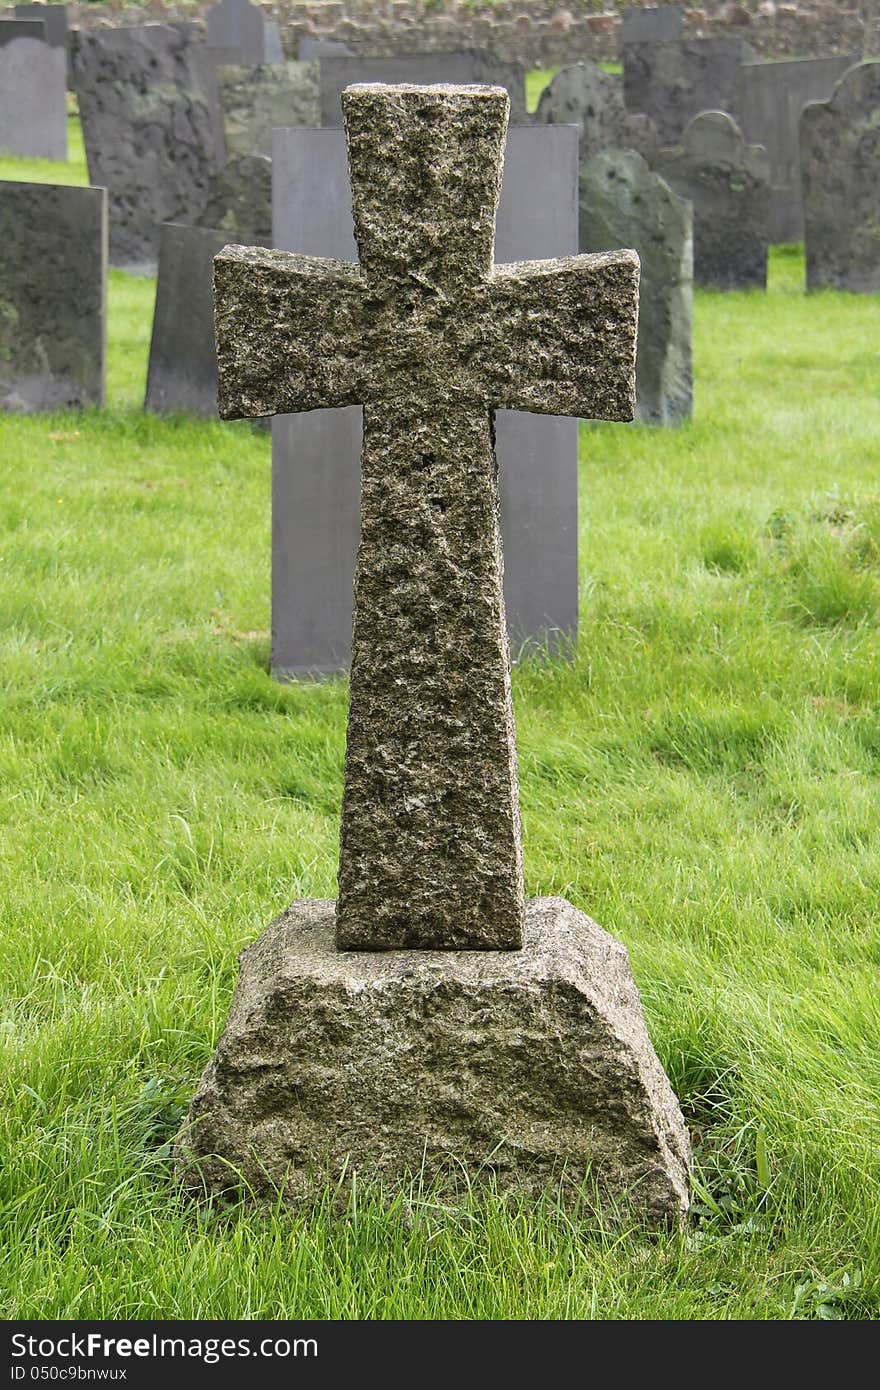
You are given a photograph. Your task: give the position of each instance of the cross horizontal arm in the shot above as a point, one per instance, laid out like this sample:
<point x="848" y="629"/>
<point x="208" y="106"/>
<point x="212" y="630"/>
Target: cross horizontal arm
<point x="289" y="331"/>
<point x="559" y="337"/>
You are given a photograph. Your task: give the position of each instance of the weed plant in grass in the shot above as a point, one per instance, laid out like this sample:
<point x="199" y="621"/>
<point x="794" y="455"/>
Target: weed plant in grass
<point x="701" y="778"/>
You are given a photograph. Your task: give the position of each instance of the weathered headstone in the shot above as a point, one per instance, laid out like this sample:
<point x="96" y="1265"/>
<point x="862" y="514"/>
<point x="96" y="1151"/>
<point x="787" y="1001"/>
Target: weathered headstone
<point x="309" y="48"/>
<point x="33" y="92"/>
<point x="728" y="182"/>
<point x="239" y="202"/>
<point x="254" y="101"/>
<point x="53" y="279"/>
<point x="622" y="203"/>
<point x="673" y="82"/>
<point x="182" y="373"/>
<point x="147" y="131"/>
<point x="771" y="100"/>
<point x="467" y="67"/>
<point x="531" y="1063"/>
<point x="585" y="96"/>
<point x="315" y="455"/>
<point x="241" y="26"/>
<point x="660" y="24"/>
<point x="840" y="180"/>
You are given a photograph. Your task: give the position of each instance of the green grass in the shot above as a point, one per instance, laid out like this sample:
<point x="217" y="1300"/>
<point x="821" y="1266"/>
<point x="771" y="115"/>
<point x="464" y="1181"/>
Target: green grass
<point x="46" y="170"/>
<point x="701" y="778"/>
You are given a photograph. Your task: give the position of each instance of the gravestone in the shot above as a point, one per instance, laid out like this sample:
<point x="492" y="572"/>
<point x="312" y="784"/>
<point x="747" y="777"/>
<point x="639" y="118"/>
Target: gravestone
<point x="53" y="282"/>
<point x="673" y="82"/>
<point x="530" y="1063"/>
<point x="772" y="96"/>
<point x="33" y="92"/>
<point x="54" y="17"/>
<point x="242" y="27"/>
<point x="622" y="203"/>
<point x="468" y="67"/>
<point x="651" y="25"/>
<point x="147" y="131"/>
<point x="182" y="373"/>
<point x="254" y="101"/>
<point x="728" y="182"/>
<point x="239" y="202"/>
<point x="315" y="455"/>
<point x="585" y="96"/>
<point x="840" y="180"/>
<point x="309" y="48"/>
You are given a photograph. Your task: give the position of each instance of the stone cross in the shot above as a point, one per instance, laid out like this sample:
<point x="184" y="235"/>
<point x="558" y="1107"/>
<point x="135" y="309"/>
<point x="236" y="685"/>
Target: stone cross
<point x="430" y="338"/>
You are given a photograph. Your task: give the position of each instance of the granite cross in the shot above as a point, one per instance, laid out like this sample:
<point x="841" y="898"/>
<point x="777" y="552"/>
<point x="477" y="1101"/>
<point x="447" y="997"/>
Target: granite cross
<point x="430" y="338"/>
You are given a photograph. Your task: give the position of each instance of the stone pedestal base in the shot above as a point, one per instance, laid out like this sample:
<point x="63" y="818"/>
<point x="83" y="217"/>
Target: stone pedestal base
<point x="531" y="1066"/>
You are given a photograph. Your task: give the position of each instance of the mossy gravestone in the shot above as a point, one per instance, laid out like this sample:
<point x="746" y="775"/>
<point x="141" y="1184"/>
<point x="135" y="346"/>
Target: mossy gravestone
<point x="431" y="1017"/>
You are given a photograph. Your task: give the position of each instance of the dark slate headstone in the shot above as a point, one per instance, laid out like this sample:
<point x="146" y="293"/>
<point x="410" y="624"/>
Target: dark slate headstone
<point x="585" y="96"/>
<point x="467" y="66"/>
<point x="622" y="203"/>
<point x="309" y="48"/>
<point x="53" y="282"/>
<point x="673" y="82"/>
<point x="239" y="25"/>
<point x="840" y="181"/>
<point x="772" y="98"/>
<point x="652" y="25"/>
<point x="240" y="199"/>
<point x="254" y="101"/>
<point x="53" y="16"/>
<point x="315" y="456"/>
<point x="33" y="92"/>
<point x="147" y="129"/>
<point x="183" y="361"/>
<point x="728" y="182"/>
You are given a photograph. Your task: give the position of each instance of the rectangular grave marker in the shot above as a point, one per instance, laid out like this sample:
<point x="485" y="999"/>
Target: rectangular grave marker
<point x="467" y="66"/>
<point x="33" y="92"/>
<point x="315" y="455"/>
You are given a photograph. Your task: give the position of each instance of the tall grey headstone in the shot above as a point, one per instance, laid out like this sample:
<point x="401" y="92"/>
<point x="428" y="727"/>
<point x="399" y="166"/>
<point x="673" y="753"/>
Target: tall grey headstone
<point x="673" y="82"/>
<point x="315" y="473"/>
<point x="182" y="373"/>
<point x="622" y="203"/>
<point x="347" y="1060"/>
<point x="53" y="16"/>
<point x="656" y="24"/>
<point x="771" y="100"/>
<point x="254" y="101"/>
<point x="585" y="96"/>
<point x="241" y="26"/>
<point x="840" y="180"/>
<point x="33" y="92"/>
<point x="728" y="182"/>
<point x="53" y="284"/>
<point x="468" y="66"/>
<point x="147" y="129"/>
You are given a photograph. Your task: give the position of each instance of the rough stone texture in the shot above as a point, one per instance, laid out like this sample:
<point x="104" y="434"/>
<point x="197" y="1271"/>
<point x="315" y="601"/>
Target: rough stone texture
<point x="33" y="92"/>
<point x="771" y="100"/>
<point x="430" y="339"/>
<point x="239" y="25"/>
<point x="256" y="100"/>
<point x="622" y="203"/>
<point x="182" y="373"/>
<point x="147" y="131"/>
<point x="728" y="183"/>
<point x="840" y="173"/>
<point x="239" y="201"/>
<point x="585" y="96"/>
<point x="468" y="68"/>
<point x="673" y="82"/>
<point x="53" y="279"/>
<point x="529" y="1067"/>
<point x="316" y="454"/>
<point x="651" y="24"/>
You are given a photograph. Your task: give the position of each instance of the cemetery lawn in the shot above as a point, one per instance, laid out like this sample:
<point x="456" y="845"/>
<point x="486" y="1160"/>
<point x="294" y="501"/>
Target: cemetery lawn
<point x="701" y="779"/>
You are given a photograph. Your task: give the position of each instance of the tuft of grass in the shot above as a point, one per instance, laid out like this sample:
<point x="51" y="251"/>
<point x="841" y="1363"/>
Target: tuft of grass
<point x="700" y="777"/>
